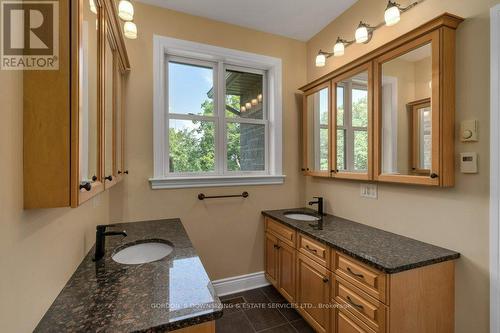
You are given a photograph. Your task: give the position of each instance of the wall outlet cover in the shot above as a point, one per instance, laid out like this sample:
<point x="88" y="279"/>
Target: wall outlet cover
<point x="369" y="190"/>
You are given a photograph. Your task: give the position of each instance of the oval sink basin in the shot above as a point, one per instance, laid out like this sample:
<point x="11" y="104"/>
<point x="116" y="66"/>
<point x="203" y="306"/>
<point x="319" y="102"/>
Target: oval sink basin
<point x="301" y="216"/>
<point x="143" y="252"/>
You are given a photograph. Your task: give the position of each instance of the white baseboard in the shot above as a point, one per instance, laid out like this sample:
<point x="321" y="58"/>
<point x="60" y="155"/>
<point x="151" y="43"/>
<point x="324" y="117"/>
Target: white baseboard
<point x="240" y="283"/>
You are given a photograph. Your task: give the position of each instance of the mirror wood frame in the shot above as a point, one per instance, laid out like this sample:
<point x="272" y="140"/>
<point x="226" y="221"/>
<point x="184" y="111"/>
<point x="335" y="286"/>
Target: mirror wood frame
<point x="441" y="33"/>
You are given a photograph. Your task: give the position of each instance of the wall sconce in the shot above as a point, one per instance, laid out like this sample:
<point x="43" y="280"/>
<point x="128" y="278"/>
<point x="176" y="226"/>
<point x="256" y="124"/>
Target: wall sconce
<point x="340" y="45"/>
<point x="126" y="10"/>
<point x="393" y="12"/>
<point x="130" y="30"/>
<point x="364" y="32"/>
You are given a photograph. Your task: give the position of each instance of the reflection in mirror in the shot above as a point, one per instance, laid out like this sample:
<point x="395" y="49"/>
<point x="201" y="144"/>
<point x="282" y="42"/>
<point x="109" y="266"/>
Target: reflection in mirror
<point x="318" y="131"/>
<point x="352" y="123"/>
<point x="88" y="135"/>
<point x="108" y="110"/>
<point x="407" y="113"/>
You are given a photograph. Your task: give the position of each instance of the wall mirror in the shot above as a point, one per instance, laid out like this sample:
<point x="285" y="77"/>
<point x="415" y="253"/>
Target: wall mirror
<point x="406" y="105"/>
<point x="89" y="123"/>
<point x="317" y="131"/>
<point x="352" y="110"/>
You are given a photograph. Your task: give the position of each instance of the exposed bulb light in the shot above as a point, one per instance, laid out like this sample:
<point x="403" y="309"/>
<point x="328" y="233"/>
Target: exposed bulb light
<point x="339" y="48"/>
<point x="130" y="30"/>
<point x="259" y="97"/>
<point x="92" y="6"/>
<point x="392" y="14"/>
<point x="255" y="101"/>
<point x="362" y="34"/>
<point x="126" y="10"/>
<point x="320" y="60"/>
<point x="248" y="105"/>
<point x="243" y="109"/>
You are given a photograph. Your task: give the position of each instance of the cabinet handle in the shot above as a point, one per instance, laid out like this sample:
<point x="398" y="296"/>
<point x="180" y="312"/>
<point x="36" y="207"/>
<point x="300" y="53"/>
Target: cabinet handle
<point x="125" y="172"/>
<point x="303" y="169"/>
<point x="87" y="186"/>
<point x="434" y="175"/>
<point x="325" y="279"/>
<point x="110" y="178"/>
<point x="94" y="178"/>
<point x="277" y="247"/>
<point x="354" y="273"/>
<point x="350" y="301"/>
<point x="119" y="172"/>
<point x="312" y="250"/>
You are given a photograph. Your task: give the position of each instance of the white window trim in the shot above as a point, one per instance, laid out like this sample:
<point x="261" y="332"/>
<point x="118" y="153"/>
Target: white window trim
<point x="163" y="46"/>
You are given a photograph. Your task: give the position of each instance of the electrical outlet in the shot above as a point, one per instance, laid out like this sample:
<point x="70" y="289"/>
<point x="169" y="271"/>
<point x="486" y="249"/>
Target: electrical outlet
<point x="369" y="191"/>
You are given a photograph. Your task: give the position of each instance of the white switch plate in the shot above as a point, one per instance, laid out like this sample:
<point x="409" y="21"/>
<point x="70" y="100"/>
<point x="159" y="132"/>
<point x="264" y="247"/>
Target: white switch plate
<point x="469" y="130"/>
<point x="468" y="162"/>
<point x="369" y="191"/>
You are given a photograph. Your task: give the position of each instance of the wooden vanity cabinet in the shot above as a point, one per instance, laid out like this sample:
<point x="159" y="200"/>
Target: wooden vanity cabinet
<point x="337" y="293"/>
<point x="64" y="118"/>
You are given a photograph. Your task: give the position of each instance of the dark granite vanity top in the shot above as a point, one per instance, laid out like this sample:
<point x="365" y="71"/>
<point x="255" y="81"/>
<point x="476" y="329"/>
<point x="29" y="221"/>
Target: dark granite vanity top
<point x="386" y="251"/>
<point x="164" y="295"/>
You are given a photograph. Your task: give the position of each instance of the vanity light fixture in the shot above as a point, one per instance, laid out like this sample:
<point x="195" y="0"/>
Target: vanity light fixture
<point x="248" y="105"/>
<point x="259" y="97"/>
<point x="255" y="101"/>
<point x="393" y="12"/>
<point x="340" y="45"/>
<point x="364" y="32"/>
<point x="130" y="30"/>
<point x="126" y="10"/>
<point x="243" y="109"/>
<point x="92" y="6"/>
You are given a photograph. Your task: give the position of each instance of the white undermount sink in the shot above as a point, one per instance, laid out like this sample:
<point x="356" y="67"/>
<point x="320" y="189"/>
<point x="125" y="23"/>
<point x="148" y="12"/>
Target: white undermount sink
<point x="301" y="216"/>
<point x="143" y="252"/>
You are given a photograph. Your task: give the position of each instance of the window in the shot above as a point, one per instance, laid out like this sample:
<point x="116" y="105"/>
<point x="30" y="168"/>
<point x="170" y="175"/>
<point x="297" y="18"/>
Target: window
<point x="352" y="124"/>
<point x="217" y="116"/>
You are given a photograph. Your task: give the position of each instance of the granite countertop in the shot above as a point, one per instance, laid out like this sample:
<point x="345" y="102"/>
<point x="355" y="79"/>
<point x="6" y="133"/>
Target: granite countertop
<point x="385" y="251"/>
<point x="168" y="294"/>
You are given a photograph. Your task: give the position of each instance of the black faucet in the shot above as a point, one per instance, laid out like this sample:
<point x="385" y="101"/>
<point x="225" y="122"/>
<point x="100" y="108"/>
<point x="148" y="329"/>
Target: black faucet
<point x="320" y="205"/>
<point x="100" y="239"/>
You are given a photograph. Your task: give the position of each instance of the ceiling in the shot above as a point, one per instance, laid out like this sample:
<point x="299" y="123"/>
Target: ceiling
<point x="298" y="19"/>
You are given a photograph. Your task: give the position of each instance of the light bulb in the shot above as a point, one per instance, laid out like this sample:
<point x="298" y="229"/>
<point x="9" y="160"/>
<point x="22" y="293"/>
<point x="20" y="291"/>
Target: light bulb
<point x="255" y="101"/>
<point x="243" y="109"/>
<point x="126" y="10"/>
<point x="392" y="14"/>
<point x="259" y="97"/>
<point x="338" y="49"/>
<point x="248" y="105"/>
<point x="130" y="30"/>
<point x="361" y="34"/>
<point x="92" y="6"/>
<point x="320" y="60"/>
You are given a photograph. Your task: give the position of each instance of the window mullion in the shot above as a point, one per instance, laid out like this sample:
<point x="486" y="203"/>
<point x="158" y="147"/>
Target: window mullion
<point x="221" y="115"/>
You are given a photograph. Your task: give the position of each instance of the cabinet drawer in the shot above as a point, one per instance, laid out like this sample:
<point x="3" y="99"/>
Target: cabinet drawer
<point x="345" y="322"/>
<point x="281" y="231"/>
<point x="364" y="307"/>
<point x="315" y="250"/>
<point x="369" y="280"/>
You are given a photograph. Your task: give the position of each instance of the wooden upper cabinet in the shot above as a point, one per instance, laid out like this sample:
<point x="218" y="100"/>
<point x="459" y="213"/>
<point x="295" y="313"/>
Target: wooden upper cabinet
<point x="392" y="112"/>
<point x="316" y="131"/>
<point x="64" y="152"/>
<point x="352" y="118"/>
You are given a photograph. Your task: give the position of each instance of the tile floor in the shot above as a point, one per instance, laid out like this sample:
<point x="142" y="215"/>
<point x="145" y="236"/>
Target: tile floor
<point x="259" y="310"/>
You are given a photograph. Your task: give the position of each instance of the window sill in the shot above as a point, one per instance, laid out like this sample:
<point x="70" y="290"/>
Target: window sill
<point x="215" y="181"/>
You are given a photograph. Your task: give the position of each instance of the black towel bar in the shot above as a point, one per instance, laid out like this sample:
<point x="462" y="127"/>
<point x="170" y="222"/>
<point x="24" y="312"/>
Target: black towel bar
<point x="202" y="196"/>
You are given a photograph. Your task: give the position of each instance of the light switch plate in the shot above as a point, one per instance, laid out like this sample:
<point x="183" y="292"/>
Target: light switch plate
<point x="468" y="162"/>
<point x="369" y="190"/>
<point x="469" y="130"/>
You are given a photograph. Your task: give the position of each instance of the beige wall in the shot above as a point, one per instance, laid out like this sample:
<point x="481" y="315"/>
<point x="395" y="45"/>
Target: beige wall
<point x="455" y="218"/>
<point x="228" y="233"/>
<point x="39" y="249"/>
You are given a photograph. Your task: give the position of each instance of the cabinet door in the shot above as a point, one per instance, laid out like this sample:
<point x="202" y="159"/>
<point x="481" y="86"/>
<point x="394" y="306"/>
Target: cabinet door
<point x="313" y="290"/>
<point x="286" y="271"/>
<point x="89" y="125"/>
<point x="316" y="131"/>
<point x="109" y="108"/>
<point x="271" y="256"/>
